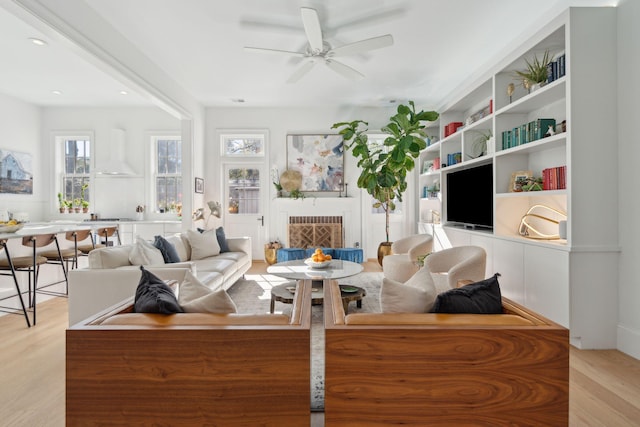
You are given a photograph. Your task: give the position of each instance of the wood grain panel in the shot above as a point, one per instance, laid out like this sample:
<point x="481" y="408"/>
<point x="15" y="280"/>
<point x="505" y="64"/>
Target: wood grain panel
<point x="386" y="375"/>
<point x="192" y="375"/>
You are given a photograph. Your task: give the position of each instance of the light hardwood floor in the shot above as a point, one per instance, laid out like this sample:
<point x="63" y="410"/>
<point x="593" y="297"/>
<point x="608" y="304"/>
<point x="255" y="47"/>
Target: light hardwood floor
<point x="604" y="385"/>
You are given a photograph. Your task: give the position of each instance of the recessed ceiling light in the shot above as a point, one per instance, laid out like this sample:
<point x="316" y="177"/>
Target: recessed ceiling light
<point x="56" y="92"/>
<point x="38" y="42"/>
<point x="124" y="92"/>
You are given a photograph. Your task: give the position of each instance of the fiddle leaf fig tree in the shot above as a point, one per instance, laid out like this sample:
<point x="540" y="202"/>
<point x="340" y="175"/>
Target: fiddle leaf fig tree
<point x="384" y="168"/>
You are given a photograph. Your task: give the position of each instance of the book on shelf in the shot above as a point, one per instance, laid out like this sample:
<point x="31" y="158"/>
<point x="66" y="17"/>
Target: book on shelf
<point x="528" y="132"/>
<point x="554" y="178"/>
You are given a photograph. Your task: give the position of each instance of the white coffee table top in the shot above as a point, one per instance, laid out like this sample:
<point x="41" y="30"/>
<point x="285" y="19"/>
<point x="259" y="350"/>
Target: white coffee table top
<point x="298" y="270"/>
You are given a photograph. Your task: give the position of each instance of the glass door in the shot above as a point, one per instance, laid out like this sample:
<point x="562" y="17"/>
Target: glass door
<point x="246" y="185"/>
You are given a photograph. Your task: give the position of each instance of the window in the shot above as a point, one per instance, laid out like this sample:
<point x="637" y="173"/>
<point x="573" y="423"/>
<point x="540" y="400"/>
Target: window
<point x="244" y="190"/>
<point x="76" y="171"/>
<point x="168" y="179"/>
<point x="244" y="144"/>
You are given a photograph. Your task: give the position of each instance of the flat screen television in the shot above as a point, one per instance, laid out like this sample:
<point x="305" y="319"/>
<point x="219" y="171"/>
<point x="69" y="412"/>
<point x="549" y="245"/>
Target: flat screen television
<point x="470" y="197"/>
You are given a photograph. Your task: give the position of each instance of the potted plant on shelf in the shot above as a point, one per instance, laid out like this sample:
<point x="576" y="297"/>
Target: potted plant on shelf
<point x="384" y="169"/>
<point x="77" y="204"/>
<point x="69" y="205"/>
<point x="536" y="74"/>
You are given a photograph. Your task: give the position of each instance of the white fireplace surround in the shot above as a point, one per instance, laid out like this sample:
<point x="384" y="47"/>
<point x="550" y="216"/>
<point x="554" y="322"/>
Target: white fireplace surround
<point x="346" y="207"/>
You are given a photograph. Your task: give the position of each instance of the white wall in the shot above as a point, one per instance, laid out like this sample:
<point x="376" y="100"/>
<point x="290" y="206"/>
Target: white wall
<point x="283" y="121"/>
<point x="110" y="196"/>
<point x="20" y="130"/>
<point x="629" y="155"/>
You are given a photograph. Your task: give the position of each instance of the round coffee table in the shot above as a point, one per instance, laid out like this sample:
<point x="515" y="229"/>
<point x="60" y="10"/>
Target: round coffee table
<point x="284" y="293"/>
<point x="298" y="270"/>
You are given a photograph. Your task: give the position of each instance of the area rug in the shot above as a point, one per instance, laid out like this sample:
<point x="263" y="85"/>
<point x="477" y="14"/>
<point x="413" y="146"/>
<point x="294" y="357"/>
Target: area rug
<point x="253" y="295"/>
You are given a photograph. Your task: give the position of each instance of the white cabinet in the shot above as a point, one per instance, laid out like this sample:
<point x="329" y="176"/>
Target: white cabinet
<point x="543" y="274"/>
<point x="147" y="230"/>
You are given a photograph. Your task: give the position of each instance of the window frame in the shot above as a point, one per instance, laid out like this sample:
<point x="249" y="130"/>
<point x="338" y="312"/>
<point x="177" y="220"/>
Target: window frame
<point x="59" y="144"/>
<point x="154" y="137"/>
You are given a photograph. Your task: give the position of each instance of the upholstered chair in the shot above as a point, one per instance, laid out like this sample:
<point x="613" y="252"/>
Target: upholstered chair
<point x="449" y="266"/>
<point x="402" y="263"/>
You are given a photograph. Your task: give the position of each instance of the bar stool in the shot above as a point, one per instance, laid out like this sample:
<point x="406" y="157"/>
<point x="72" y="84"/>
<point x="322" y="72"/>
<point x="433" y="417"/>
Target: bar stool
<point x="63" y="256"/>
<point x="40" y="241"/>
<point x="30" y="265"/>
<point x="81" y="236"/>
<point x="105" y="233"/>
<point x="8" y="265"/>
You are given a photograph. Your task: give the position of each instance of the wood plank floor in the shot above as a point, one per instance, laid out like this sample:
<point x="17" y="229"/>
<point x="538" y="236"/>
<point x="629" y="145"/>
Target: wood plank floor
<point x="604" y="385"/>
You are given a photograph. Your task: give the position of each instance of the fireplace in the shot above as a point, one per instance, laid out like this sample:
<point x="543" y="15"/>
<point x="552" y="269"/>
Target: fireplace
<point x="315" y="231"/>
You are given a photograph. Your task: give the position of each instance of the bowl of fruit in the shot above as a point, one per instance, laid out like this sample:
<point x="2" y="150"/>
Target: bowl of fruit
<point x="318" y="260"/>
<point x="10" y="226"/>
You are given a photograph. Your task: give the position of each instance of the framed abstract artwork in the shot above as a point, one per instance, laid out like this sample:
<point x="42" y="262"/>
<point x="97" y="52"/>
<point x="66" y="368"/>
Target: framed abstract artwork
<point x="319" y="159"/>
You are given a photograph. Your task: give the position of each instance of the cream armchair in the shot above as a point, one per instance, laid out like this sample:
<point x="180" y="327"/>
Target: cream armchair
<point x="403" y="261"/>
<point x="448" y="266"/>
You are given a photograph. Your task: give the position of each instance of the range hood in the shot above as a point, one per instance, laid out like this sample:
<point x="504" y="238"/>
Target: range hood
<point x="114" y="162"/>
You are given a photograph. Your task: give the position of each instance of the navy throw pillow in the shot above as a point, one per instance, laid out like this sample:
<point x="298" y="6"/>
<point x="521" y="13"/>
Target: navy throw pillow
<point x="476" y="298"/>
<point x="222" y="240"/>
<point x="154" y="296"/>
<point x="167" y="249"/>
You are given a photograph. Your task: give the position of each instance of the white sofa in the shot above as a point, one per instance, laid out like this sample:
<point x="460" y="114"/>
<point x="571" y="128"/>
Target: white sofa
<point x="111" y="277"/>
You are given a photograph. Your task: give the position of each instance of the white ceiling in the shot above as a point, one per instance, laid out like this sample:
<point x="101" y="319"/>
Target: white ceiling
<point x="438" y="44"/>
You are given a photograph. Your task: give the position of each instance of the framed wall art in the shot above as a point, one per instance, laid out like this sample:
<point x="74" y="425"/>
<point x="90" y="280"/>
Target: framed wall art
<point x="319" y="159"/>
<point x="199" y="186"/>
<point x="16" y="172"/>
<point x="515" y="185"/>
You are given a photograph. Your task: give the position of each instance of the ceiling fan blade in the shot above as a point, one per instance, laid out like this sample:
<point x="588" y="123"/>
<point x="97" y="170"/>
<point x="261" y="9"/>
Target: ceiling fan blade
<point x="276" y="51"/>
<point x="300" y="72"/>
<point x="312" y="27"/>
<point x="344" y="70"/>
<point x="363" y="46"/>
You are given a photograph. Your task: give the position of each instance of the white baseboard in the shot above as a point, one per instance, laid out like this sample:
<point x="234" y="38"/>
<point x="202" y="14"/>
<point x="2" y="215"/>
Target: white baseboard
<point x="629" y="341"/>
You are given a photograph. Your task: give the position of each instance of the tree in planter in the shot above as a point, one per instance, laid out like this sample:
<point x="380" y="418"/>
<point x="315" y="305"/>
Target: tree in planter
<point x="384" y="171"/>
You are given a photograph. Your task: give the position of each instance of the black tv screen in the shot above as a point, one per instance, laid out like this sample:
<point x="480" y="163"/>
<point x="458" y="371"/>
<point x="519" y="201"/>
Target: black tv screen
<point x="470" y="197"/>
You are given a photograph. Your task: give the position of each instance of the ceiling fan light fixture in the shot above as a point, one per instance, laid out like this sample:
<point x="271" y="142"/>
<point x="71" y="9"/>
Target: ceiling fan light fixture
<point x="318" y="48"/>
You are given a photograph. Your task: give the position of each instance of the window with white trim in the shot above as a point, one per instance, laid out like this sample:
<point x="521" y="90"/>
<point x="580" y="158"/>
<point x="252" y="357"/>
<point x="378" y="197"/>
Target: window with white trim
<point x="76" y="171"/>
<point x="168" y="173"/>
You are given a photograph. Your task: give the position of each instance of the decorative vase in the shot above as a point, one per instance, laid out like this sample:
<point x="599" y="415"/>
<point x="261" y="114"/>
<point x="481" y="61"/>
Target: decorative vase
<point x="384" y="249"/>
<point x="270" y="255"/>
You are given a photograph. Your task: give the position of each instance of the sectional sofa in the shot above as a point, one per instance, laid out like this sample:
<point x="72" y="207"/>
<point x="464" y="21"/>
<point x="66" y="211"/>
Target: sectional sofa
<point x="113" y="272"/>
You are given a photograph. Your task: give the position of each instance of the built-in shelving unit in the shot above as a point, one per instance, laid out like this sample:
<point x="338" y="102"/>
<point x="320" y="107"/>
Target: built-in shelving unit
<point x="547" y="275"/>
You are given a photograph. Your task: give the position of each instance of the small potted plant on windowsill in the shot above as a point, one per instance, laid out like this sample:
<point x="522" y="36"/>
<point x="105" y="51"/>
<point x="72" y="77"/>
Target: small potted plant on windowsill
<point x="62" y="206"/>
<point x="77" y="205"/>
<point x="85" y="206"/>
<point x="69" y="205"/>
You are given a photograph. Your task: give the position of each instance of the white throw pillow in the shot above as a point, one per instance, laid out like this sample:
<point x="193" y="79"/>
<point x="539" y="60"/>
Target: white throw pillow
<point x="203" y="245"/>
<point x="180" y="246"/>
<point x="416" y="295"/>
<point x="144" y="253"/>
<point x="195" y="297"/>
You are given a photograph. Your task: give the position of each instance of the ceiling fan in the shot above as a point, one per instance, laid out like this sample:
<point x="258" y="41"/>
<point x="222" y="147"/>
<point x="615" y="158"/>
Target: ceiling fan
<point x="319" y="50"/>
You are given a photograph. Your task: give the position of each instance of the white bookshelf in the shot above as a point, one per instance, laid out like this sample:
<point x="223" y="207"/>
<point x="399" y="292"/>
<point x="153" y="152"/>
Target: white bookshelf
<point x="571" y="281"/>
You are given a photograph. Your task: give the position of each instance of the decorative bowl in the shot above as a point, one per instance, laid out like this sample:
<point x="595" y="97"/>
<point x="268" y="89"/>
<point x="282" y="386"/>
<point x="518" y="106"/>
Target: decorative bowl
<point x="311" y="263"/>
<point x="11" y="228"/>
